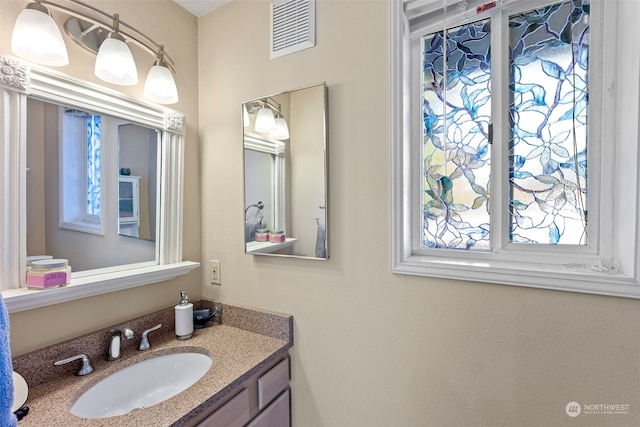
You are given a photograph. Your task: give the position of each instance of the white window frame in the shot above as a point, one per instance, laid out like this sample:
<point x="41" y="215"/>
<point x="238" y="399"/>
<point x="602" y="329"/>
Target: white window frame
<point x="613" y="200"/>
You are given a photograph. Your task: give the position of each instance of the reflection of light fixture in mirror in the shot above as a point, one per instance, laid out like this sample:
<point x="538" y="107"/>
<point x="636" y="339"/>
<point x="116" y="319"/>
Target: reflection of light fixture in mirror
<point x="265" y="121"/>
<point x="281" y="130"/>
<point x="88" y="31"/>
<point x="245" y="116"/>
<point x="36" y="37"/>
<point x="160" y="86"/>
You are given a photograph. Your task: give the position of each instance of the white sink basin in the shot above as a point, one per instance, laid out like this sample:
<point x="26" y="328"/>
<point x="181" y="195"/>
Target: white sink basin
<point x="142" y="385"/>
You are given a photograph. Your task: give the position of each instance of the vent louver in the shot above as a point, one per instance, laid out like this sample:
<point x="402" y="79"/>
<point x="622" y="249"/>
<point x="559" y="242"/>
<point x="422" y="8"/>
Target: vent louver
<point x="292" y="26"/>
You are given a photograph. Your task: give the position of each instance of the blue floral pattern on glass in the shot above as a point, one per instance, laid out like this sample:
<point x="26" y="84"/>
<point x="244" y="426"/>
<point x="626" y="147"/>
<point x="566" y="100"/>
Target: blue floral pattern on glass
<point x="94" y="166"/>
<point x="456" y="108"/>
<point x="548" y="53"/>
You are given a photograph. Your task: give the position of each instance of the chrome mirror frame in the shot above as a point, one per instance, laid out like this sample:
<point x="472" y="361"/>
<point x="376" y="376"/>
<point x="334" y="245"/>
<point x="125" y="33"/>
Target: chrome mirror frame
<point x="280" y="203"/>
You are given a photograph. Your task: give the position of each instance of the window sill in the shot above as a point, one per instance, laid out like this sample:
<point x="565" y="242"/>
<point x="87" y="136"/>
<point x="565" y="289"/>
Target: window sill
<point x="23" y="299"/>
<point x="536" y="275"/>
<point x="83" y="227"/>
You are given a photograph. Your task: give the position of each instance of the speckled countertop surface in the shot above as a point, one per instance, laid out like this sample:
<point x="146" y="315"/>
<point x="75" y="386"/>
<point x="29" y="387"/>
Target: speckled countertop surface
<point x="247" y="341"/>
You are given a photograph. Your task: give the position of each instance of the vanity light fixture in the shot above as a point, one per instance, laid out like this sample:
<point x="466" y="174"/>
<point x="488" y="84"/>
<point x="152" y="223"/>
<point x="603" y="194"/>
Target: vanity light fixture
<point x="114" y="63"/>
<point x="160" y="86"/>
<point x="37" y="38"/>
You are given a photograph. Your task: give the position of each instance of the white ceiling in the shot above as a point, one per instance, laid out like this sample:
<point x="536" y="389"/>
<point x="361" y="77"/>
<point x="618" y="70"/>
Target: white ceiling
<point x="200" y="7"/>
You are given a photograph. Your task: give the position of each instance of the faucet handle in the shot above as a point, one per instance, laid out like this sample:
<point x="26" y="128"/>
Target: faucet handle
<point x="85" y="367"/>
<point x="144" y="340"/>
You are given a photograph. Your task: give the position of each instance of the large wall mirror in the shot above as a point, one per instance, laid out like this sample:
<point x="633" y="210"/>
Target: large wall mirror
<point x="91" y="187"/>
<point x="286" y="174"/>
<point x="90" y="175"/>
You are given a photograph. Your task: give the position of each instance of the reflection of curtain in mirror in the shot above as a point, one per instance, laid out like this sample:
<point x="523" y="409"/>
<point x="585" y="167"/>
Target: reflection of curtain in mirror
<point x="94" y="168"/>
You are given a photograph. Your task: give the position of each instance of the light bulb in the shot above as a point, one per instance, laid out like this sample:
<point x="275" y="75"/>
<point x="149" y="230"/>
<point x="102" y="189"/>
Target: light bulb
<point x="37" y="38"/>
<point x="114" y="63"/>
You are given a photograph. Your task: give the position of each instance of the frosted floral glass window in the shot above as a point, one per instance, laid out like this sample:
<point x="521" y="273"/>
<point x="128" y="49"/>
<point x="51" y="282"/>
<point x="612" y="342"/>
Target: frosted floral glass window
<point x="515" y="143"/>
<point x="456" y="110"/>
<point x="548" y="54"/>
<point x="547" y="119"/>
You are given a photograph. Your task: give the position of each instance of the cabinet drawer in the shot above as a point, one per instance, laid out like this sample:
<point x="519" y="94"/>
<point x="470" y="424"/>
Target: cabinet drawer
<point x="278" y="414"/>
<point x="233" y="413"/>
<point x="272" y="383"/>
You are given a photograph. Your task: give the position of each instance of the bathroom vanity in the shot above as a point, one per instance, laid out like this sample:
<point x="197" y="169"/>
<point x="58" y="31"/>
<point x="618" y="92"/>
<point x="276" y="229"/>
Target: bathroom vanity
<point x="247" y="384"/>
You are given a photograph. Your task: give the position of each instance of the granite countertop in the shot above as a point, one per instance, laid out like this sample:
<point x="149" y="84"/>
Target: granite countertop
<point x="237" y="354"/>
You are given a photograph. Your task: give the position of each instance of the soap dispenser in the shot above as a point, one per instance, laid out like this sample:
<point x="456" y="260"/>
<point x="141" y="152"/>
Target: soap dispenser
<point x="184" y="317"/>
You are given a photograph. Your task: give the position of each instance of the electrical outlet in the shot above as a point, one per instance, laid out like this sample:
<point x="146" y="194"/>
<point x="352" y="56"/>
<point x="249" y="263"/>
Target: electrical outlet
<point x="214" y="272"/>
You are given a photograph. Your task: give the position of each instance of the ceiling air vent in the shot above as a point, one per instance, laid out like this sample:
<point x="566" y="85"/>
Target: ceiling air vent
<point x="292" y="26"/>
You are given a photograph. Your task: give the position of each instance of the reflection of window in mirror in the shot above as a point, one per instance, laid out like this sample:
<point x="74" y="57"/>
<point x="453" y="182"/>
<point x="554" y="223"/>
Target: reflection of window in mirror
<point x="80" y="152"/>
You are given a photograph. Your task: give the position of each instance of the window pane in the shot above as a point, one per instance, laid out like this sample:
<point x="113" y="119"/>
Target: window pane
<point x="94" y="154"/>
<point x="456" y="110"/>
<point x="548" y="50"/>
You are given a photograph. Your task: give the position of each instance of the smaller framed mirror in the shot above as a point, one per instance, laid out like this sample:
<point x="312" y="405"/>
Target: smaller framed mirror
<point x="286" y="209"/>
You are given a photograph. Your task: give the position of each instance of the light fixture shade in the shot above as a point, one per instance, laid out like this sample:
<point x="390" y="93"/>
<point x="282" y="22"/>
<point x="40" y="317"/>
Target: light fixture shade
<point x="281" y="131"/>
<point x="37" y="38"/>
<point x="245" y="116"/>
<point x="160" y="86"/>
<point x="114" y="63"/>
<point x="265" y="122"/>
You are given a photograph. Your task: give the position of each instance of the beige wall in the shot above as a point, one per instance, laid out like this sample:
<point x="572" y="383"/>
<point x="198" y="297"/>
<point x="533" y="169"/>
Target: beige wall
<point x="373" y="348"/>
<point x="167" y="23"/>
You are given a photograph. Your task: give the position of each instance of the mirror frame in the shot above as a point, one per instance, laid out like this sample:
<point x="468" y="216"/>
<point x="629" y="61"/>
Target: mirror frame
<point x="19" y="81"/>
<point x="252" y="141"/>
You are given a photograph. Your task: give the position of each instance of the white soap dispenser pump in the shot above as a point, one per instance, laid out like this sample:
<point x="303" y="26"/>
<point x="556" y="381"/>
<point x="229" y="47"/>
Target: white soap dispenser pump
<point x="184" y="317"/>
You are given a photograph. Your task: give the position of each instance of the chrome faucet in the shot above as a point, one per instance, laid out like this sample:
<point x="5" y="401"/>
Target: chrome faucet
<point x="115" y="344"/>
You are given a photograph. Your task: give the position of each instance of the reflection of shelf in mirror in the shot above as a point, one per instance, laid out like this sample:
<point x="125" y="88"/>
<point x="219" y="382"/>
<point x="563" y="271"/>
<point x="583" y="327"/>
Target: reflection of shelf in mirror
<point x="268" y="247"/>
